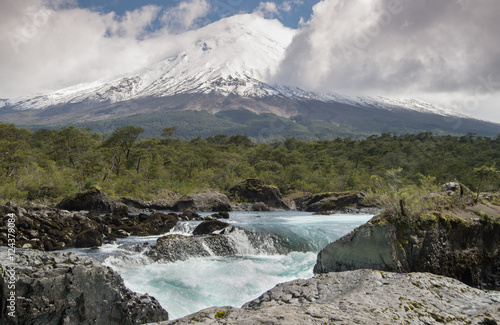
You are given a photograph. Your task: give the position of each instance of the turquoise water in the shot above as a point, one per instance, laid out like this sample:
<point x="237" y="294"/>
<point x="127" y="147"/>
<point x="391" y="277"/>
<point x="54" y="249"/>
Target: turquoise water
<point x="184" y="287"/>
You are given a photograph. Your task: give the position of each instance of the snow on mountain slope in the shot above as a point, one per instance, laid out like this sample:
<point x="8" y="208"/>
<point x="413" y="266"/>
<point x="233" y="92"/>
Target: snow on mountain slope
<point x="392" y="104"/>
<point x="236" y="55"/>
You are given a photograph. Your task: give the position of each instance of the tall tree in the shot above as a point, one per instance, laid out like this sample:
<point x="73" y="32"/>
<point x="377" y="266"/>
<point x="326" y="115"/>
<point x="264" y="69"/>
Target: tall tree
<point x="118" y="146"/>
<point x="484" y="173"/>
<point x="71" y="143"/>
<point x="123" y="138"/>
<point x="13" y="146"/>
<point x="168" y="131"/>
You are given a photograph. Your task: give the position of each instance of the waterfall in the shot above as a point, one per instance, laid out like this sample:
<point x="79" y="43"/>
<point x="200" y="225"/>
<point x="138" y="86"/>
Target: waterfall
<point x="184" y="228"/>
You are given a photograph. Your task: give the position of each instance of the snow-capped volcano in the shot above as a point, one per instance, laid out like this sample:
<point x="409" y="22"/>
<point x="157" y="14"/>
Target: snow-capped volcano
<point x="238" y="55"/>
<point x="230" y="66"/>
<point x="235" y="55"/>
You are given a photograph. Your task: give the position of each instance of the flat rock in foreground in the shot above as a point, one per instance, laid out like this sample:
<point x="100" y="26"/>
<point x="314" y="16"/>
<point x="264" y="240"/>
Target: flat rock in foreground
<point x="361" y="297"/>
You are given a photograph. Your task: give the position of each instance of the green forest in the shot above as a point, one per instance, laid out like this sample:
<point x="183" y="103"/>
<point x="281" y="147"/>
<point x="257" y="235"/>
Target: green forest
<point x="46" y="165"/>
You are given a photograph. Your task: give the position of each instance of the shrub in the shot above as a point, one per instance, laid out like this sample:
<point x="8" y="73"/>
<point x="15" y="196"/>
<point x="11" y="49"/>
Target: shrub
<point x="402" y="200"/>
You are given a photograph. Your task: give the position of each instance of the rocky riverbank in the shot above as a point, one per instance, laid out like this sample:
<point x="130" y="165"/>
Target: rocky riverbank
<point x="361" y="297"/>
<point x="53" y="289"/>
<point x="463" y="244"/>
<point x="455" y="244"/>
<point x="255" y="195"/>
<point x="90" y="218"/>
<point x="49" y="228"/>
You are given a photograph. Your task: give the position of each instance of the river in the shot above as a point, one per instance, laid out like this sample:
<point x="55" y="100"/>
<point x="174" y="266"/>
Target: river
<point x="184" y="287"/>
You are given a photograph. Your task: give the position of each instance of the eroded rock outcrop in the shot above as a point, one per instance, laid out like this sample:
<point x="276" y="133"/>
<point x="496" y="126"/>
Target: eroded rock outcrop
<point x="165" y="203"/>
<point x="332" y="202"/>
<point x="254" y="190"/>
<point x="464" y="248"/>
<point x="53" y="289"/>
<point x="93" y="199"/>
<point x="48" y="229"/>
<point x="361" y="297"/>
<point x="180" y="247"/>
<point x="209" y="226"/>
<point x="205" y="201"/>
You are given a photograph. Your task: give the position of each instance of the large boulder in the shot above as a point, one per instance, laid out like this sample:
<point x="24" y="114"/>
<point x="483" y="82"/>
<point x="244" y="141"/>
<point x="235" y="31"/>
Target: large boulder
<point x="209" y="226"/>
<point x="53" y="289"/>
<point x="165" y="203"/>
<point x="254" y="190"/>
<point x="153" y="224"/>
<point x="330" y="201"/>
<point x="360" y="297"/>
<point x="230" y="241"/>
<point x="173" y="248"/>
<point x="466" y="248"/>
<point x="206" y="201"/>
<point x="93" y="199"/>
<point x="89" y="238"/>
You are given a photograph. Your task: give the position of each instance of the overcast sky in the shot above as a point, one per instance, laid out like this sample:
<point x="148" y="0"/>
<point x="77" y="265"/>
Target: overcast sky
<point x="443" y="51"/>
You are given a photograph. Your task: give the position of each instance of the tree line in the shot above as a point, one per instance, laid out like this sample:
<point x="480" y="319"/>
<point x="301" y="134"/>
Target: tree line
<point x="49" y="164"/>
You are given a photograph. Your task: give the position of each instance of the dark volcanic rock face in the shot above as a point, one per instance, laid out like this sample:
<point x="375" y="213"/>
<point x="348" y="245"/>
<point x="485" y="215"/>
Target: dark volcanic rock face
<point x="464" y="249"/>
<point x="154" y="224"/>
<point x="254" y="190"/>
<point x="331" y="201"/>
<point x="89" y="238"/>
<point x="209" y="226"/>
<point x="53" y="289"/>
<point x="93" y="199"/>
<point x="50" y="229"/>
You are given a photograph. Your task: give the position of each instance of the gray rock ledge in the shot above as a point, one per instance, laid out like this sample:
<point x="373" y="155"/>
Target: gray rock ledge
<point x="361" y="297"/>
<point x="55" y="289"/>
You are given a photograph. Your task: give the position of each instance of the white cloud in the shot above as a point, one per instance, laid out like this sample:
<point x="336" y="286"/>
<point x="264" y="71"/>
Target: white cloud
<point x="272" y="10"/>
<point x="397" y="48"/>
<point x="267" y="9"/>
<point x="50" y="45"/>
<point x="186" y="14"/>
<point x="134" y="24"/>
<point x="442" y="51"/>
<point x="287" y="6"/>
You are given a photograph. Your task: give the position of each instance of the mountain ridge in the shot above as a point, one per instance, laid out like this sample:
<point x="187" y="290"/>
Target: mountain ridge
<point x="208" y="66"/>
<point x="229" y="67"/>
